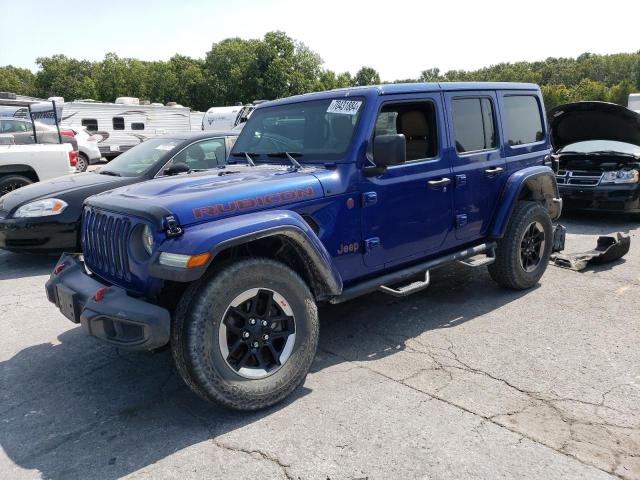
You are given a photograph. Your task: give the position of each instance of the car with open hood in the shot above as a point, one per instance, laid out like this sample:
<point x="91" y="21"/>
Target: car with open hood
<point x="597" y="156"/>
<point x="45" y="216"/>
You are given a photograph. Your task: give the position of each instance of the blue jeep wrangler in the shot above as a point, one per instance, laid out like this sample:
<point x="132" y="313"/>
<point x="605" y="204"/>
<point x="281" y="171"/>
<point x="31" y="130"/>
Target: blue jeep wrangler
<point x="325" y="197"/>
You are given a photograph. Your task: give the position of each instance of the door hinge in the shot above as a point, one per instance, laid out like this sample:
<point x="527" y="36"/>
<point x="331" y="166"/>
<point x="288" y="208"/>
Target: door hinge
<point x="369" y="198"/>
<point x="371" y="244"/>
<point x="461" y="220"/>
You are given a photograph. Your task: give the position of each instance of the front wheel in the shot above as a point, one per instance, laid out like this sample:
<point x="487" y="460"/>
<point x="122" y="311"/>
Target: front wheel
<point x="246" y="335"/>
<point x="13" y="182"/>
<point x="523" y="253"/>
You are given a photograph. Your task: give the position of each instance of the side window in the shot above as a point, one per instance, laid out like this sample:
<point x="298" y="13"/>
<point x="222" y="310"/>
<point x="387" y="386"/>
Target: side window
<point x="12" y="126"/>
<point x="522" y="121"/>
<point x="137" y="126"/>
<point x="202" y="155"/>
<point x="416" y="121"/>
<point x="473" y="124"/>
<point x="118" y="123"/>
<point x="91" y="124"/>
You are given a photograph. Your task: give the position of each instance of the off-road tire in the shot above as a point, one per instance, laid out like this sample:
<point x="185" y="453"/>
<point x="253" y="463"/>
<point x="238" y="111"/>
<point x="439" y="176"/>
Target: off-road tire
<point x="82" y="163"/>
<point x="195" y="332"/>
<point x="507" y="270"/>
<point x="13" y="182"/>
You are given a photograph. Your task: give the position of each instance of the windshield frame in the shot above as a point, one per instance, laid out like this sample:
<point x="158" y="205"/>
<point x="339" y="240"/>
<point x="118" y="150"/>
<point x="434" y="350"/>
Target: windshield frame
<point x="305" y="158"/>
<point x="150" y="170"/>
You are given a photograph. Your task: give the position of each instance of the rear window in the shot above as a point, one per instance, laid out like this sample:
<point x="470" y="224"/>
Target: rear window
<point x="473" y="124"/>
<point x="522" y="120"/>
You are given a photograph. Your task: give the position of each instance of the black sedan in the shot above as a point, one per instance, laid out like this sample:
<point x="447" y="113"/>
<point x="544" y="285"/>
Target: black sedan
<point x="45" y="217"/>
<point x="597" y="156"/>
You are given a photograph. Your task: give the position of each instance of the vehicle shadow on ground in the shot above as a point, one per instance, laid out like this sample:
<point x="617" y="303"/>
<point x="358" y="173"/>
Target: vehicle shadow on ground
<point x="21" y="265"/>
<point x="79" y="409"/>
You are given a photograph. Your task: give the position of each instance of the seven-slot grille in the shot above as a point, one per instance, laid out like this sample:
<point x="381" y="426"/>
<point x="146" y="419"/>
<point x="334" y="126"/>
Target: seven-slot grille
<point x="105" y="237"/>
<point x="579" y="178"/>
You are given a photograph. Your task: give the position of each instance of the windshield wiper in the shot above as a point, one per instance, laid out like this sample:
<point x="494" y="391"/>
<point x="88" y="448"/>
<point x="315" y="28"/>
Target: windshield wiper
<point x="109" y="172"/>
<point x="246" y="155"/>
<point x="289" y="156"/>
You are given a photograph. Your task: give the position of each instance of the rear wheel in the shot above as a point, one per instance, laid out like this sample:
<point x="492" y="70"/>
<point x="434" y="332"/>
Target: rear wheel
<point x="82" y="163"/>
<point x="13" y="182"/>
<point x="245" y="336"/>
<point x="523" y="253"/>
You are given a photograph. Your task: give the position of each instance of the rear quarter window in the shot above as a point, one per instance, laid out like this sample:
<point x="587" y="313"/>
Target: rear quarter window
<point x="522" y="120"/>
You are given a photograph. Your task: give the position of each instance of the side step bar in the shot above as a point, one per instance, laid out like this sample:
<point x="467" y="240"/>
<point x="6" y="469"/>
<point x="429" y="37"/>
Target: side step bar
<point x="406" y="290"/>
<point x="480" y="260"/>
<point x="369" y="286"/>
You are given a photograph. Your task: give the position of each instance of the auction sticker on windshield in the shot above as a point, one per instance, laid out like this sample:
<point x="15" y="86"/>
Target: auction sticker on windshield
<point x="347" y="107"/>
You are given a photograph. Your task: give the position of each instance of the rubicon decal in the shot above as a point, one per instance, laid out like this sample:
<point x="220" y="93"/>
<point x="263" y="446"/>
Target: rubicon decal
<point x="253" y="202"/>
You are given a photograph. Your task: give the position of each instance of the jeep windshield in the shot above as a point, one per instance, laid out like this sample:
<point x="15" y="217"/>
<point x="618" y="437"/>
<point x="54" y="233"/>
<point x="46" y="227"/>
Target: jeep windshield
<point x="314" y="130"/>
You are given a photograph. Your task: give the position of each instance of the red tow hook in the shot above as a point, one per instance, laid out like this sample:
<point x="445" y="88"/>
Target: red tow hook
<point x="99" y="294"/>
<point x="58" y="268"/>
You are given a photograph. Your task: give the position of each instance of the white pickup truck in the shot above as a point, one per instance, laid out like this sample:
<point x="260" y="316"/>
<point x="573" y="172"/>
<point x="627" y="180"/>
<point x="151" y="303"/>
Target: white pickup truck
<point x="21" y="165"/>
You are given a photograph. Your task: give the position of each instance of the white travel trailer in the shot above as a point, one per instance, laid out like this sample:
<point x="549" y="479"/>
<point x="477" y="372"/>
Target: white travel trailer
<point x="221" y="118"/>
<point x="634" y="102"/>
<point x="126" y="123"/>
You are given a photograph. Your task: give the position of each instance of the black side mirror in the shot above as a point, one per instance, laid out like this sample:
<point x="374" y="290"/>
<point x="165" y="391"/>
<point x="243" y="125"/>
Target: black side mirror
<point x="389" y="150"/>
<point x="177" y="168"/>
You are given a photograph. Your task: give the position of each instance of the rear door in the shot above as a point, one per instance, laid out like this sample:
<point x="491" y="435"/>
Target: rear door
<point x="479" y="169"/>
<point x="407" y="210"/>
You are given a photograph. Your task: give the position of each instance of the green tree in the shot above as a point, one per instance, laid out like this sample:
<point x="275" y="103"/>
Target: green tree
<point x="65" y="77"/>
<point x="366" y="76"/>
<point x="17" y="80"/>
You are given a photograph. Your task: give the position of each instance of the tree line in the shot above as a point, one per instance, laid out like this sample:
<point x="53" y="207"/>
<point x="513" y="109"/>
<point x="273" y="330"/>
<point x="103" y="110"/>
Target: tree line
<point x="240" y="71"/>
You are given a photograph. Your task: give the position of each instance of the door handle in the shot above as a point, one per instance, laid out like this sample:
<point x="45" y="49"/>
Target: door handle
<point x="442" y="183"/>
<point x="492" y="172"/>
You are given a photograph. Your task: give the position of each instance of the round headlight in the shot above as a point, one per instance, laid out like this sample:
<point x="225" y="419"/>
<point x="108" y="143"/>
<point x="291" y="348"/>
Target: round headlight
<point x="147" y="239"/>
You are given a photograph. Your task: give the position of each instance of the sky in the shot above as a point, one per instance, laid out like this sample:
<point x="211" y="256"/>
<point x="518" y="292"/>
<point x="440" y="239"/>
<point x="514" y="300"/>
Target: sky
<point x="398" y="38"/>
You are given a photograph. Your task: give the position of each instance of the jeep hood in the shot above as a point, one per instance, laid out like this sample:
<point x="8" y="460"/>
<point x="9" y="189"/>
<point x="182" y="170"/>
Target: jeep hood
<point x="582" y="121"/>
<point x="206" y="196"/>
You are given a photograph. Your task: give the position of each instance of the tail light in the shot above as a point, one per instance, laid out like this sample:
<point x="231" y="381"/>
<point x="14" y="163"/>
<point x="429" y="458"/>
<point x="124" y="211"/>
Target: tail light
<point x="72" y="158"/>
<point x="92" y="138"/>
<point x="67" y="133"/>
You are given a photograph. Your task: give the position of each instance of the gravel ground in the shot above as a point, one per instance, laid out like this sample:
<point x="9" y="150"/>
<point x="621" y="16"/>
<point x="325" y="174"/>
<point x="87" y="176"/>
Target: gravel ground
<point x="463" y="380"/>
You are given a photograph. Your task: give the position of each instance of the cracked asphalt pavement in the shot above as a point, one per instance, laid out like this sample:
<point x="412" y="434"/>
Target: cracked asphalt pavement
<point x="463" y="380"/>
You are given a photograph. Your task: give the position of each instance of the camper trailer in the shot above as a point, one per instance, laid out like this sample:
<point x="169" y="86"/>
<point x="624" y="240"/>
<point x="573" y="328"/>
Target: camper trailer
<point x="634" y="102"/>
<point x="125" y="123"/>
<point x="225" y="118"/>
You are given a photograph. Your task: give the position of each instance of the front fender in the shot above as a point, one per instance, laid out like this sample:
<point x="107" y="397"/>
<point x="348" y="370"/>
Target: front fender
<point x="533" y="183"/>
<point x="218" y="235"/>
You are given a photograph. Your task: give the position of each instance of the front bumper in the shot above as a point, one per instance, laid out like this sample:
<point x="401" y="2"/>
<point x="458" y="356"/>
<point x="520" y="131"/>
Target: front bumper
<point x="116" y="318"/>
<point x="605" y="198"/>
<point x="38" y="235"/>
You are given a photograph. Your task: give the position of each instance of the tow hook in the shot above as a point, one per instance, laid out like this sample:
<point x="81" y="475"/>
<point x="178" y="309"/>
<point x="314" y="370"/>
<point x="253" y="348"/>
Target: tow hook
<point x="173" y="229"/>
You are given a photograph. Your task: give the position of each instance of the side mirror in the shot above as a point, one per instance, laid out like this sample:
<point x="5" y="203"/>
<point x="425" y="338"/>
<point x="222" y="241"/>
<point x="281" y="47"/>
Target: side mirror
<point x="177" y="168"/>
<point x="389" y="150"/>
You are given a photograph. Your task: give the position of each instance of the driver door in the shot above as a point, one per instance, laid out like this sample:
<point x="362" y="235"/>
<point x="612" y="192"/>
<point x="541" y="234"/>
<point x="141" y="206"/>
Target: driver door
<point x="407" y="210"/>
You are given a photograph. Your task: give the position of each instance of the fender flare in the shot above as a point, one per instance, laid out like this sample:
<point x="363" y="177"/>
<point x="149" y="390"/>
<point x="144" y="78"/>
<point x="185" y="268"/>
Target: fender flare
<point x="219" y="235"/>
<point x="538" y="182"/>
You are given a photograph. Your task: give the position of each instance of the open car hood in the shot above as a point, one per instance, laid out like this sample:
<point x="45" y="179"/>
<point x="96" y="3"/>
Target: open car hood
<point x="582" y="121"/>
